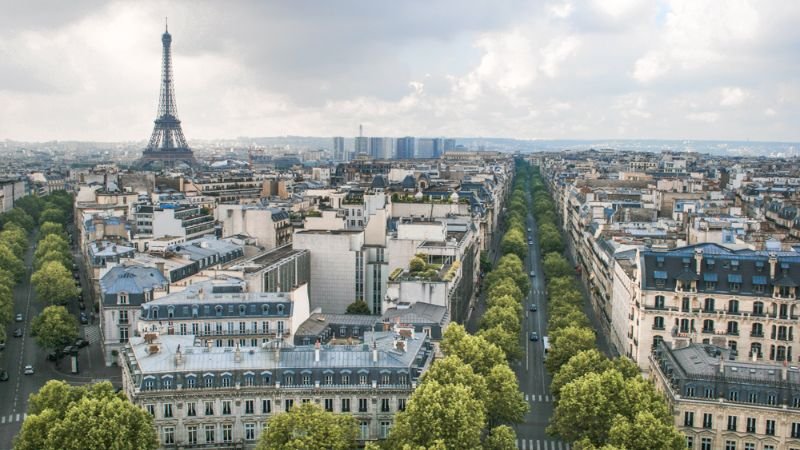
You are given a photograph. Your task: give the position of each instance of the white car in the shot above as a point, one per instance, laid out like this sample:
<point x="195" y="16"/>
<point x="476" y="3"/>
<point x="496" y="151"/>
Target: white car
<point x="28" y="370"/>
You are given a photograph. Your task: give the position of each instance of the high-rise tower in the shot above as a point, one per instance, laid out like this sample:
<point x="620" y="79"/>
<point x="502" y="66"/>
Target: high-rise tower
<point x="167" y="146"/>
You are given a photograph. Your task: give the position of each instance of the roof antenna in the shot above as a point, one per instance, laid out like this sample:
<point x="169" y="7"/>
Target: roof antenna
<point x="166" y="25"/>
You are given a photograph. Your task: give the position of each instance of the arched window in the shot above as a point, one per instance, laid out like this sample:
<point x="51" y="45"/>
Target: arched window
<point x="733" y="328"/>
<point x="218" y="309"/>
<point x="758" y="308"/>
<point x="708" y="326"/>
<point x="657" y="340"/>
<point x="758" y="330"/>
<point x="659" y="302"/>
<point x="708" y="305"/>
<point x="733" y="306"/>
<point x="280" y="309"/>
<point x="242" y="310"/>
<point x="265" y="309"/>
<point x="658" y="323"/>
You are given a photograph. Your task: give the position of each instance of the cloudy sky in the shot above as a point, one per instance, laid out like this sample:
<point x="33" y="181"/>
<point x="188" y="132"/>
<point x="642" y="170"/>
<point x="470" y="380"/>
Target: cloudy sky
<point x="591" y="69"/>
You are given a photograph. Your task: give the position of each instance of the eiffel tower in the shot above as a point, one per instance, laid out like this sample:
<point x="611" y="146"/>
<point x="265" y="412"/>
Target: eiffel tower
<point x="167" y="147"/>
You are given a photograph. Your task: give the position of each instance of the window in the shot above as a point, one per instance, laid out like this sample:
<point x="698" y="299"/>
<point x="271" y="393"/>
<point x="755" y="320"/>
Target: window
<point x="708" y="305"/>
<point x="209" y="382"/>
<point x="362" y="379"/>
<point x="226" y="407"/>
<point x="386" y="379"/>
<point x="362" y="405"/>
<point x="306" y="400"/>
<point x="733" y="396"/>
<point x="249" y="432"/>
<point x="209" y="408"/>
<point x="328" y="379"/>
<point x="705" y="444"/>
<point x="249" y="380"/>
<point x="329" y="404"/>
<point x="191" y="409"/>
<point x="402" y="379"/>
<point x="210" y="438"/>
<point x="123" y="334"/>
<point x="345" y="405"/>
<point x="708" y="420"/>
<point x="769" y="447"/>
<point x="191" y="434"/>
<point x="167" y="410"/>
<point x="151" y="409"/>
<point x="772" y="399"/>
<point x="708" y="392"/>
<point x="191" y="382"/>
<point x="659" y="302"/>
<point x="730" y="445"/>
<point x="796" y="430"/>
<point x="287" y="404"/>
<point x="226" y="381"/>
<point x="183" y="329"/>
<point x="752" y="397"/>
<point x="288" y="380"/>
<point x="751" y="425"/>
<point x="364" y="429"/>
<point x="686" y="304"/>
<point x="733" y="328"/>
<point x="770" y="430"/>
<point x="169" y="435"/>
<point x="708" y="326"/>
<point x="690" y="391"/>
<point x="658" y="323"/>
<point x="758" y="308"/>
<point x="689" y="442"/>
<point x="227" y="432"/>
<point x="688" y="419"/>
<point x="749" y="446"/>
<point x="249" y="406"/>
<point x="266" y="406"/>
<point x="401" y="404"/>
<point x="385" y="405"/>
<point x="306" y="380"/>
<point x="732" y="423"/>
<point x="345" y="379"/>
<point x="385" y="426"/>
<point x="733" y="306"/>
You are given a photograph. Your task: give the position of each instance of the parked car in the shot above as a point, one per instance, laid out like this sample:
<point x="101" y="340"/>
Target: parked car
<point x="80" y="343"/>
<point x="18" y="332"/>
<point x="29" y="370"/>
<point x="2" y="345"/>
<point x="534" y="308"/>
<point x="84" y="318"/>
<point x="530" y="242"/>
<point x="534" y="336"/>
<point x="3" y="375"/>
<point x="533" y="274"/>
<point x="18" y="318"/>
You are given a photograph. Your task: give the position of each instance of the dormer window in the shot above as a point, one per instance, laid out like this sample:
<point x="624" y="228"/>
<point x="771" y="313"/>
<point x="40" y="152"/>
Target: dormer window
<point x="659" y="261"/>
<point x="242" y="310"/>
<point x="265" y="309"/>
<point x="759" y="266"/>
<point x="280" y="309"/>
<point x="735" y="265"/>
<point x="154" y="310"/>
<point x="218" y="309"/>
<point x="170" y="312"/>
<point x="710" y="263"/>
<point x="122" y="298"/>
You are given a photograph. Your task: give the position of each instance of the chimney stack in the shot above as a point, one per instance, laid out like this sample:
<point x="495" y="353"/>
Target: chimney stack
<point x="178" y="356"/>
<point x="277" y="351"/>
<point x="237" y="354"/>
<point x="374" y="352"/>
<point x="316" y="351"/>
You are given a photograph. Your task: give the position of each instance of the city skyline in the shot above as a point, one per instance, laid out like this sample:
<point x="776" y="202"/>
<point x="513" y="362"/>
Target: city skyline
<point x="679" y="70"/>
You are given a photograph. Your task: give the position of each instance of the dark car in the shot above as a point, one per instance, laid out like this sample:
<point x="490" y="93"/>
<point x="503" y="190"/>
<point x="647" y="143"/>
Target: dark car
<point x="534" y="336"/>
<point x="18" y="332"/>
<point x="534" y="308"/>
<point x="3" y="375"/>
<point x="80" y="343"/>
<point x="2" y="345"/>
<point x="84" y="319"/>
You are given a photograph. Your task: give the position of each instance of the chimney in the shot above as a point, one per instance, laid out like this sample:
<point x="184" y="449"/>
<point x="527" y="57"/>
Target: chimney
<point x="374" y="352"/>
<point x="237" y="354"/>
<point x="698" y="257"/>
<point x="178" y="356"/>
<point x="160" y="267"/>
<point x="316" y="351"/>
<point x="277" y="353"/>
<point x="773" y="261"/>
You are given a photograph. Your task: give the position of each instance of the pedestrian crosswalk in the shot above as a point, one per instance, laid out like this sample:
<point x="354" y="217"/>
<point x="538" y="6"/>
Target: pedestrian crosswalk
<point x="538" y="398"/>
<point x="538" y="292"/>
<point x="12" y="418"/>
<point x="541" y="444"/>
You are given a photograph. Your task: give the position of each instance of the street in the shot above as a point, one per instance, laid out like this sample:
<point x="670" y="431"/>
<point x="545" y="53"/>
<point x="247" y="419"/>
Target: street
<point x="22" y="351"/>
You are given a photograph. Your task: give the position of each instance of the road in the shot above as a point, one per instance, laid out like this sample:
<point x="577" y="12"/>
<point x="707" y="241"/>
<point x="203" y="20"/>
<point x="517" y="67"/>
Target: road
<point x="534" y="381"/>
<point x="22" y="351"/>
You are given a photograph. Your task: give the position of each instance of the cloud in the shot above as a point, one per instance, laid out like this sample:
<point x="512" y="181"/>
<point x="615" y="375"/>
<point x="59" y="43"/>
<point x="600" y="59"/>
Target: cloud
<point x="551" y="69"/>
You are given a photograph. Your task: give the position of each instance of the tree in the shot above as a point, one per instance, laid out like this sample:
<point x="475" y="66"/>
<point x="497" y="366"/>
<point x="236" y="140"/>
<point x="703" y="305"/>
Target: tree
<point x="505" y="301"/>
<point x="505" y="318"/>
<point x="587" y="361"/>
<point x="416" y="264"/>
<point x="452" y="370"/>
<point x="10" y="262"/>
<point x="31" y="204"/>
<point x="67" y="417"/>
<point x="573" y="317"/>
<point x="19" y="217"/>
<point x="505" y="403"/>
<point x="475" y="351"/>
<point x="513" y="242"/>
<point x="55" y="327"/>
<point x="555" y="265"/>
<point x="54" y="256"/>
<point x="505" y="340"/>
<point x="52" y="215"/>
<point x="510" y="266"/>
<point x="51" y="228"/>
<point x="645" y="432"/>
<point x="501" y="437"/>
<point x="16" y="239"/>
<point x="51" y="242"/>
<point x="358" y="307"/>
<point x="505" y="286"/>
<point x="566" y="343"/>
<point x="97" y="424"/>
<point x="448" y="413"/>
<point x="54" y="284"/>
<point x="307" y="426"/>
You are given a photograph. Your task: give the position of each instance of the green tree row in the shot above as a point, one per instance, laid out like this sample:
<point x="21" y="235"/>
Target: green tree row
<point x="616" y="407"/>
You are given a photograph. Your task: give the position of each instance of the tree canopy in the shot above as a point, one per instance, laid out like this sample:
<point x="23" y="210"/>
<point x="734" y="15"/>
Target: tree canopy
<point x="309" y="427"/>
<point x="55" y="327"/>
<point x="54" y="284"/>
<point x="358" y="307"/>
